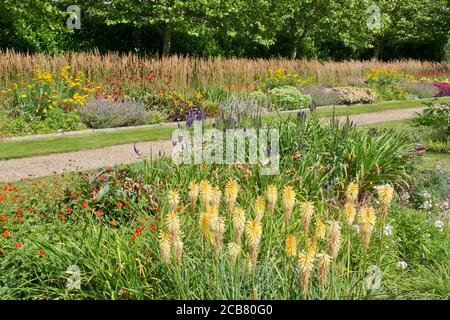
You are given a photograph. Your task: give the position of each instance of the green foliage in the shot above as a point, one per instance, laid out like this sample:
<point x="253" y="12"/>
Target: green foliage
<point x="289" y="98"/>
<point x="26" y="124"/>
<point x="437" y="118"/>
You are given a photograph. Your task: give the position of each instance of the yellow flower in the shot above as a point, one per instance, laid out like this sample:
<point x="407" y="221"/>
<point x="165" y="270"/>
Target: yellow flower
<point x="253" y="232"/>
<point x="385" y="194"/>
<point x="367" y="219"/>
<point x="260" y="207"/>
<point x="352" y="192"/>
<point x="349" y="213"/>
<point x="174" y="200"/>
<point x="234" y="250"/>
<point x="320" y="229"/>
<point x="307" y="210"/>
<point x="238" y="223"/>
<point x="334" y="238"/>
<point x="272" y="197"/>
<point x="288" y="201"/>
<point x="164" y="245"/>
<point x="291" y="246"/>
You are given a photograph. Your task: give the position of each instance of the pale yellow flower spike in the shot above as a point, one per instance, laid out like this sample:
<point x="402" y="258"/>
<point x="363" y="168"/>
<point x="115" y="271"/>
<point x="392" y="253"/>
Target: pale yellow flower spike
<point x="352" y="192"/>
<point x="234" y="250"/>
<point x="174" y="200"/>
<point x="306" y="265"/>
<point x="217" y="224"/>
<point x="385" y="194"/>
<point x="288" y="201"/>
<point x="307" y="210"/>
<point x="194" y="190"/>
<point x="321" y="229"/>
<point x="231" y="193"/>
<point x="164" y="245"/>
<point x="253" y="232"/>
<point x="367" y="219"/>
<point x="238" y="223"/>
<point x="334" y="238"/>
<point x="349" y="213"/>
<point x="260" y="207"/>
<point x="272" y="197"/>
<point x="324" y="261"/>
<point x="291" y="246"/>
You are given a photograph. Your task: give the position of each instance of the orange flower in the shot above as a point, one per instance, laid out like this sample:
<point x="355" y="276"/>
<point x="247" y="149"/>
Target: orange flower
<point x="100" y="213"/>
<point x="5" y="234"/>
<point x="120" y="205"/>
<point x="18" y="245"/>
<point x="84" y="205"/>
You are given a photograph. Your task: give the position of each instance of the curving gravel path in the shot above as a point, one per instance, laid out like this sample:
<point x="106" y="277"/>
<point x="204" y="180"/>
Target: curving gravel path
<point x="40" y="166"/>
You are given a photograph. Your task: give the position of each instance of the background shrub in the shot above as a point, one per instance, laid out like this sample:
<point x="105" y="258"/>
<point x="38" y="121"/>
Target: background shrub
<point x="421" y="90"/>
<point x="350" y="95"/>
<point x="289" y="98"/>
<point x="321" y="96"/>
<point x="443" y="87"/>
<point x="109" y="114"/>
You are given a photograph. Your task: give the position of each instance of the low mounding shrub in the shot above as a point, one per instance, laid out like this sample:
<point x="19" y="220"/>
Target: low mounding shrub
<point x="350" y="95"/>
<point x="22" y="123"/>
<point x="421" y="90"/>
<point x="437" y="118"/>
<point x="109" y="114"/>
<point x="443" y="88"/>
<point x="321" y="96"/>
<point x="289" y="98"/>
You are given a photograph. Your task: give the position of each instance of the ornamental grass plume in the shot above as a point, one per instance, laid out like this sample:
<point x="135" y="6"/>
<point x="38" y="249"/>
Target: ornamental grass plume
<point x="323" y="261"/>
<point x="306" y="266"/>
<point x="306" y="210"/>
<point x="205" y="193"/>
<point x="238" y="223"/>
<point x="352" y="192"/>
<point x="174" y="200"/>
<point x="253" y="232"/>
<point x="349" y="213"/>
<point x="367" y="219"/>
<point x="334" y="238"/>
<point x="260" y="207"/>
<point x="385" y="195"/>
<point x="234" y="249"/>
<point x="291" y="246"/>
<point x="164" y="245"/>
<point x="231" y="193"/>
<point x="194" y="190"/>
<point x="321" y="229"/>
<point x="272" y="197"/>
<point x="217" y="224"/>
<point x="288" y="202"/>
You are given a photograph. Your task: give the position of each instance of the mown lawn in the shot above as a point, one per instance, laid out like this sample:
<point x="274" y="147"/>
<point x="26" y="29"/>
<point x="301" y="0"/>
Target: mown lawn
<point x="28" y="148"/>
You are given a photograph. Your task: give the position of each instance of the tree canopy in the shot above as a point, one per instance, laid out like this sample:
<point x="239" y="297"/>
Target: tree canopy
<point x="335" y="29"/>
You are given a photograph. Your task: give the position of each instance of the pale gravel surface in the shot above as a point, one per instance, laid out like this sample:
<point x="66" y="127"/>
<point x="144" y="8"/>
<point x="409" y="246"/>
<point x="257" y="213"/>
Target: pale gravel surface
<point x="40" y="166"/>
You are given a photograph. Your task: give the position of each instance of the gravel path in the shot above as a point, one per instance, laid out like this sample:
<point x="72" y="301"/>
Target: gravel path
<point x="40" y="166"/>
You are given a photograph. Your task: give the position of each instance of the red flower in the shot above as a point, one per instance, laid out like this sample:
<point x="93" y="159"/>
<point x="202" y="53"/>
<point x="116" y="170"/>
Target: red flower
<point x="120" y="205"/>
<point x="84" y="205"/>
<point x="133" y="237"/>
<point x="62" y="217"/>
<point x="100" y="213"/>
<point x="19" y="211"/>
<point x="179" y="209"/>
<point x="18" y="245"/>
<point x="4" y="217"/>
<point x="153" y="227"/>
<point x="20" y="219"/>
<point x="5" y="188"/>
<point x="74" y="196"/>
<point x="5" y="234"/>
<point x="138" y="230"/>
<point x="2" y="197"/>
<point x="69" y="209"/>
<point x="41" y="252"/>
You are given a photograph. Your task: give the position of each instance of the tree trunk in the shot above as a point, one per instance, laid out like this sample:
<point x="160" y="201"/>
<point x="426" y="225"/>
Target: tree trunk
<point x="167" y="39"/>
<point x="293" y="51"/>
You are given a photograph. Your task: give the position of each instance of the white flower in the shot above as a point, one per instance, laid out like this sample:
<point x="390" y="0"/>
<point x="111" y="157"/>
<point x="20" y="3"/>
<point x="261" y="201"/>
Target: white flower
<point x="402" y="265"/>
<point x="439" y="225"/>
<point x="387" y="230"/>
<point x="404" y="196"/>
<point x="356" y="228"/>
<point x="426" y="194"/>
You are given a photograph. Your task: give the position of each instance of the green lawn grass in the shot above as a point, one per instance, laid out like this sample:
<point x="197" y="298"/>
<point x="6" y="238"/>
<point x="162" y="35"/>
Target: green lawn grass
<point x="28" y="148"/>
